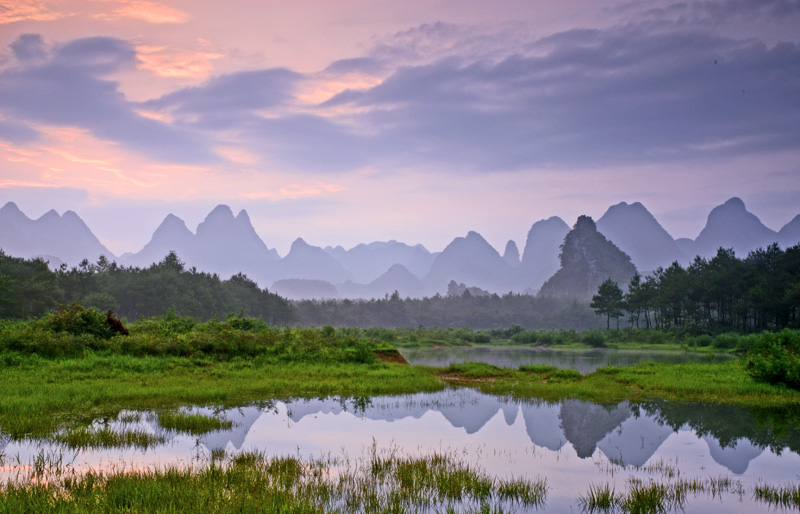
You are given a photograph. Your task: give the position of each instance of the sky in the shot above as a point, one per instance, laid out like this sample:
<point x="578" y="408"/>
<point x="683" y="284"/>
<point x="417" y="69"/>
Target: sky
<point x="353" y="121"/>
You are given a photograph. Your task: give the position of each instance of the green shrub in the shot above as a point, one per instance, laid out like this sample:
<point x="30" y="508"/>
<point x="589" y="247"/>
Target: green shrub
<point x="481" y="337"/>
<point x="78" y="320"/>
<point x="702" y="340"/>
<point x="593" y="338"/>
<point x="525" y="337"/>
<point x="775" y="358"/>
<point x="726" y="341"/>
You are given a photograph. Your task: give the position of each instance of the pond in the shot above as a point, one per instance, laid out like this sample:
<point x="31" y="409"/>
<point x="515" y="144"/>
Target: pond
<point x="575" y="445"/>
<point x="585" y="361"/>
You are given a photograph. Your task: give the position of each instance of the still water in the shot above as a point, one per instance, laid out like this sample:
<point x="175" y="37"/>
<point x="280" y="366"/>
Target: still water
<point x="573" y="444"/>
<point x="585" y="361"/>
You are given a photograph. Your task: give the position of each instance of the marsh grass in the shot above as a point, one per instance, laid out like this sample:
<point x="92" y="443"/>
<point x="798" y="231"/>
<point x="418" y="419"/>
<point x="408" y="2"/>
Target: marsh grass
<point x="784" y="497"/>
<point x="252" y="482"/>
<point x="600" y="498"/>
<point x="189" y="423"/>
<point x="651" y="496"/>
<point x="89" y="437"/>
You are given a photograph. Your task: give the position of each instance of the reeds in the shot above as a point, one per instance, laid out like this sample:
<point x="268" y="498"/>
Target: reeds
<point x="784" y="497"/>
<point x="252" y="482"/>
<point x="191" y="423"/>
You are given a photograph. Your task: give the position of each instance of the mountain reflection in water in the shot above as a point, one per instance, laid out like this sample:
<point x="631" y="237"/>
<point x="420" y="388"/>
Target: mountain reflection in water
<point x="627" y="434"/>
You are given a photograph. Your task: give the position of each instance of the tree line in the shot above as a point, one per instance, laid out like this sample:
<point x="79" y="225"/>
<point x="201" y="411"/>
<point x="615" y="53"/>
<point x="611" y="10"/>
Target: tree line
<point x="724" y="293"/>
<point x="28" y="288"/>
<point x="721" y="294"/>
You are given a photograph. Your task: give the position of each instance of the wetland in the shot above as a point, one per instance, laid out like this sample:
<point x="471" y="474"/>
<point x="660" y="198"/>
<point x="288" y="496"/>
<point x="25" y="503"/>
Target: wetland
<point x="235" y="416"/>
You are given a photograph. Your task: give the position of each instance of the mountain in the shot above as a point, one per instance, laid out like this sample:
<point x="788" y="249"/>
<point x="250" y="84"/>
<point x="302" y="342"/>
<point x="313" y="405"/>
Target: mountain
<point x="789" y="235"/>
<point x="67" y="238"/>
<point x="171" y="235"/>
<point x="223" y="244"/>
<point x="587" y="260"/>
<point x="303" y="289"/>
<point x="397" y="278"/>
<point x="511" y="254"/>
<point x="687" y="246"/>
<point x="636" y="232"/>
<point x="310" y="262"/>
<point x="473" y="261"/>
<point x="366" y="262"/>
<point x="540" y="257"/>
<point x="730" y="225"/>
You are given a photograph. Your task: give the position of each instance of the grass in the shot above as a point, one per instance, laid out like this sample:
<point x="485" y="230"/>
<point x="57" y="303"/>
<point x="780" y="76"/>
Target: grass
<point x="44" y="396"/>
<point x="720" y="383"/>
<point x="655" y="497"/>
<point x="783" y="497"/>
<point x="195" y="424"/>
<point x="85" y="437"/>
<point x="252" y="482"/>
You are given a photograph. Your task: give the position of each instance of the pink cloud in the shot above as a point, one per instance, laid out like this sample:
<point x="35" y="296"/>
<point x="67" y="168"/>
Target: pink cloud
<point x="26" y="10"/>
<point x="144" y="10"/>
<point x="165" y="62"/>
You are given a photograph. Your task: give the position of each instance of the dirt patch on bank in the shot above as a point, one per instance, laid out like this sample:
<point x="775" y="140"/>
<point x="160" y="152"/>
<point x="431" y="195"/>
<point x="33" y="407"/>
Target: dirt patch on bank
<point x="390" y="356"/>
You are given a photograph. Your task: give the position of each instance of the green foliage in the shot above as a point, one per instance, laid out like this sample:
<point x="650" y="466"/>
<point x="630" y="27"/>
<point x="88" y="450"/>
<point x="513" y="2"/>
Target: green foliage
<point x="78" y="320"/>
<point x="475" y="370"/>
<point x="194" y="424"/>
<point x="721" y="294"/>
<point x="609" y="301"/>
<point x="593" y="338"/>
<point x="726" y="341"/>
<point x="775" y="359"/>
<point x="28" y="288"/>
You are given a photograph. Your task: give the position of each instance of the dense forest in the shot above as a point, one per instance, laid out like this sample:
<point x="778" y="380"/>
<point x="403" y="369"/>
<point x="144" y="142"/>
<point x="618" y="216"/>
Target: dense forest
<point x="29" y="288"/>
<point x="721" y="294"/>
<point x="724" y="293"/>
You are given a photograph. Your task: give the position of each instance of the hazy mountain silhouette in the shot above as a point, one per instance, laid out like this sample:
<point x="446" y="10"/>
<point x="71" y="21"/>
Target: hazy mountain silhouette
<point x="473" y="261"/>
<point x="367" y="262"/>
<point x="310" y="262"/>
<point x="540" y="258"/>
<point x="303" y="288"/>
<point x="789" y="234"/>
<point x="226" y="244"/>
<point x="397" y="278"/>
<point x="223" y="244"/>
<point x="687" y="246"/>
<point x="587" y="260"/>
<point x="636" y="232"/>
<point x="67" y="238"/>
<point x="731" y="225"/>
<point x="511" y="254"/>
<point x="171" y="235"/>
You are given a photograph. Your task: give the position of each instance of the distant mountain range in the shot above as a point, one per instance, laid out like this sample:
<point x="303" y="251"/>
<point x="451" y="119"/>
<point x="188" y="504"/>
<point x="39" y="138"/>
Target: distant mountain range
<point x="226" y="244"/>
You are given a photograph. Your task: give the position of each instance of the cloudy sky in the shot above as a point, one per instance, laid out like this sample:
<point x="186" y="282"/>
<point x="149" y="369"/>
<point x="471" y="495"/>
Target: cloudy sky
<point x="353" y="121"/>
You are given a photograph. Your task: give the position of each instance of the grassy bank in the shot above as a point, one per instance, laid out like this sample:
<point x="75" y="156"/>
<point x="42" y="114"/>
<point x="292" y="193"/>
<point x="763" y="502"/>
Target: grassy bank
<point x="725" y="383"/>
<point x="67" y="369"/>
<point x="41" y="396"/>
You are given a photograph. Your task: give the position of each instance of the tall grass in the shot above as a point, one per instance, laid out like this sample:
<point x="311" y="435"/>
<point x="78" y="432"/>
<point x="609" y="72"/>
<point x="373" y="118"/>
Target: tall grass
<point x="195" y="424"/>
<point x="252" y="482"/>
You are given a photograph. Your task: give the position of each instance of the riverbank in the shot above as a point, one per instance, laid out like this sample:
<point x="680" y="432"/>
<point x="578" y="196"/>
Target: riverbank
<point x="41" y="396"/>
<point x="68" y="369"/>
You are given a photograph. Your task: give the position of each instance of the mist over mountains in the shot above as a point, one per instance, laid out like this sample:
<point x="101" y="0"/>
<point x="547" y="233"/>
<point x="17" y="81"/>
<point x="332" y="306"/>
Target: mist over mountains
<point x="226" y="244"/>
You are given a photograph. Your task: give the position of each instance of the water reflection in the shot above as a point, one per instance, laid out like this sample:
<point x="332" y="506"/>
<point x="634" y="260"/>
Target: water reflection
<point x="627" y="434"/>
<point x="574" y="444"/>
<point x="585" y="361"/>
